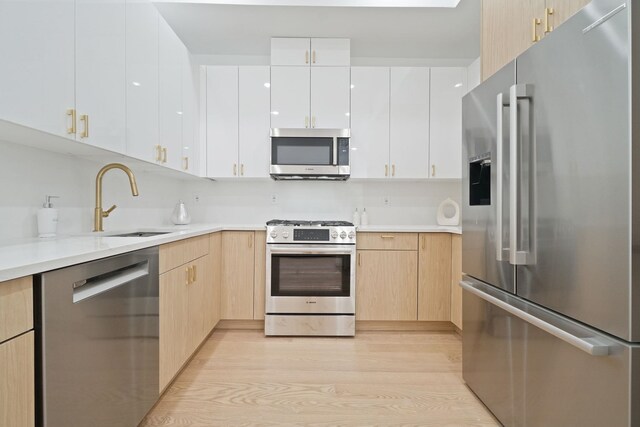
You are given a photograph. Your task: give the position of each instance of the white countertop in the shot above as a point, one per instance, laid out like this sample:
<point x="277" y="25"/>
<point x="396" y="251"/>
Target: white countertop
<point x="24" y="257"/>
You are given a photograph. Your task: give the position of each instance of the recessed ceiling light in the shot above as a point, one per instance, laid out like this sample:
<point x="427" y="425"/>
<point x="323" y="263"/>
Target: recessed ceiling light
<point x="135" y="83"/>
<point x="179" y="113"/>
<point x="458" y="85"/>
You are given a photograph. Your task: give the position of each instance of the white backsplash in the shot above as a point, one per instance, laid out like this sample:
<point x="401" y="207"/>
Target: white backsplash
<point x="28" y="174"/>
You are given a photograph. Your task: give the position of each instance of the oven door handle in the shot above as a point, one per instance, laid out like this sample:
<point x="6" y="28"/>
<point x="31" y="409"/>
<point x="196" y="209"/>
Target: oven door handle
<point x="288" y="250"/>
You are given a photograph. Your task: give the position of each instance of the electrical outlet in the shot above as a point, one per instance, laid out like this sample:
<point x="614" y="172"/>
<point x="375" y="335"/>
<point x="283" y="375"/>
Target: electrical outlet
<point x="386" y="200"/>
<point x="274" y="199"/>
<point x="196" y="198"/>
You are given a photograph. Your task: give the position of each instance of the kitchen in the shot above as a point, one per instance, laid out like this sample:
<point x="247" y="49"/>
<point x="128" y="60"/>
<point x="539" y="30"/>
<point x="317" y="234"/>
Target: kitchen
<point x="193" y="108"/>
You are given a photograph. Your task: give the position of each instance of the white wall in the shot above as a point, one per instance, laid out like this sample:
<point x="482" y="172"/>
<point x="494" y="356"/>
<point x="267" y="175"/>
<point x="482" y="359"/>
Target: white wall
<point x="473" y="75"/>
<point x="355" y="61"/>
<point x="28" y="174"/>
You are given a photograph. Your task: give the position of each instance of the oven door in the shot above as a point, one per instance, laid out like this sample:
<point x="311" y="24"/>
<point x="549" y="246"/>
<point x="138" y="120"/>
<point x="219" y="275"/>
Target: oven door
<point x="310" y="279"/>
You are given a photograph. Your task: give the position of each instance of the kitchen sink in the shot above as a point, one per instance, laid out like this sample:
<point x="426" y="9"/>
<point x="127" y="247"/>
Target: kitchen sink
<point x="140" y="234"/>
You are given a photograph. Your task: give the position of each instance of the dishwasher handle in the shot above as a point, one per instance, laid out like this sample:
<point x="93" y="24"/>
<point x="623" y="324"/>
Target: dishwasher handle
<point x="97" y="285"/>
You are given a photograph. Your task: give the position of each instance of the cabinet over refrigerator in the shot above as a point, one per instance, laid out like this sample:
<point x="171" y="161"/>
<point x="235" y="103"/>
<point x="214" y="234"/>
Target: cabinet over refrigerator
<point x="551" y="217"/>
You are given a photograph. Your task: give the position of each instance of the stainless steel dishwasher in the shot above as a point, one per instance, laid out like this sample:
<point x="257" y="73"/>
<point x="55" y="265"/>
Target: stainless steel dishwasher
<point x="97" y="332"/>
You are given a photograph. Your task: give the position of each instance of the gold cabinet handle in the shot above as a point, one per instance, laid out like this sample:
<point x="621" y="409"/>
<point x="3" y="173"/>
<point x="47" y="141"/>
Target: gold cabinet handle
<point x="433" y="170"/>
<point x="250" y="241"/>
<point x="306" y="57"/>
<point x="534" y="30"/>
<point x="194" y="275"/>
<point x="72" y="112"/>
<point x="241" y="169"/>
<point x="306" y="121"/>
<point x="387" y="236"/>
<point x="548" y="11"/>
<point x="386" y="170"/>
<point x="185" y="163"/>
<point x="313" y="121"/>
<point x="235" y="169"/>
<point x="85" y="132"/>
<point x="188" y="271"/>
<point x="164" y="154"/>
<point x="393" y="170"/>
<point x="360" y="259"/>
<point x="158" y="153"/>
<point x="314" y="57"/>
<point x="423" y="240"/>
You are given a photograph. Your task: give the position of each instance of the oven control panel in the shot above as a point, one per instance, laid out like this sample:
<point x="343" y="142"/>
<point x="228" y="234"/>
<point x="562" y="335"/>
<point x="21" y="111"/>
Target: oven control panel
<point x="330" y="235"/>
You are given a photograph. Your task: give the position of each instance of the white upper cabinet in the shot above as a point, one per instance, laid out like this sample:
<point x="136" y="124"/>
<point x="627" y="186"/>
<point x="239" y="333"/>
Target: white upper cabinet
<point x="37" y="50"/>
<point x="254" y="121"/>
<point x="320" y="52"/>
<point x="190" y="115"/>
<point x="303" y="97"/>
<point x="170" y="60"/>
<point x="409" y="123"/>
<point x="330" y="97"/>
<point x="142" y="80"/>
<point x="330" y="52"/>
<point x="290" y="97"/>
<point x="290" y="51"/>
<point x="448" y="86"/>
<point x="369" y="122"/>
<point x="222" y="122"/>
<point x="100" y="73"/>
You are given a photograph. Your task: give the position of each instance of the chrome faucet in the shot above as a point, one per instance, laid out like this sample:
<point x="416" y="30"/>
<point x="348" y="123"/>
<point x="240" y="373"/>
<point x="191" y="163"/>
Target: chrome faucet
<point x="99" y="213"/>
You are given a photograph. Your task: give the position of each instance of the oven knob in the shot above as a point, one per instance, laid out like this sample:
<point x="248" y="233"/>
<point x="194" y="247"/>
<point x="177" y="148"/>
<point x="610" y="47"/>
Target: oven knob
<point x="285" y="234"/>
<point x="343" y="235"/>
<point x="352" y="235"/>
<point x="334" y="234"/>
<point x="274" y="234"/>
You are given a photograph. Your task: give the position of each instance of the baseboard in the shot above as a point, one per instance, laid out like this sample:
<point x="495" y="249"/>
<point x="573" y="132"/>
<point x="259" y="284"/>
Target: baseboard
<point x="240" y="324"/>
<point x="399" y="325"/>
<point x="458" y="330"/>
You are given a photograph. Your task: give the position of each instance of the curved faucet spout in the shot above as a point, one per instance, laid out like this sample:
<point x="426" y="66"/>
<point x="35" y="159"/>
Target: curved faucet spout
<point x="99" y="214"/>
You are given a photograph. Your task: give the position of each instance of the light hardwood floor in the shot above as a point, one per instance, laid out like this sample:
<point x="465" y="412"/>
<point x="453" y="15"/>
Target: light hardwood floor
<point x="241" y="378"/>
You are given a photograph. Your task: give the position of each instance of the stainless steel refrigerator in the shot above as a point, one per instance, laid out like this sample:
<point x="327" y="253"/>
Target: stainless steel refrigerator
<point x="551" y="227"/>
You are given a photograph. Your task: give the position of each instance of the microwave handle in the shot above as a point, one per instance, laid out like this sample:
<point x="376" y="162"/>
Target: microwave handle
<point x="335" y="151"/>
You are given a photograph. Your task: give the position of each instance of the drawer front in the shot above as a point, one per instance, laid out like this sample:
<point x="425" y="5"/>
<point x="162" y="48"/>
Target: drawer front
<point x="16" y="307"/>
<point x="175" y="254"/>
<point x="388" y="241"/>
<point x="17" y="382"/>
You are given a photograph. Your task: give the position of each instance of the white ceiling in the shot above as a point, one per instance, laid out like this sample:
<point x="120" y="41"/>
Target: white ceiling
<point x="375" y="32"/>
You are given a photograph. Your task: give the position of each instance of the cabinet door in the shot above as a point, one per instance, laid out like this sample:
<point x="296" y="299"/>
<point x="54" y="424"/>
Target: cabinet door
<point x="434" y="277"/>
<point x="37" y="47"/>
<point x="290" y="97"/>
<point x="386" y="285"/>
<point x="259" y="275"/>
<point x="330" y="97"/>
<point x="330" y="52"/>
<point x="448" y="86"/>
<point x="409" y="127"/>
<point x="290" y="51"/>
<point x="507" y="30"/>
<point x="170" y="78"/>
<point x="190" y="162"/>
<point x="142" y="79"/>
<point x="369" y="122"/>
<point x="17" y="382"/>
<point x="563" y="10"/>
<point x="255" y="121"/>
<point x="174" y="309"/>
<point x="198" y="304"/>
<point x="213" y="292"/>
<point x="222" y="121"/>
<point x="236" y="294"/>
<point x="100" y="73"/>
<point x="456" y="277"/>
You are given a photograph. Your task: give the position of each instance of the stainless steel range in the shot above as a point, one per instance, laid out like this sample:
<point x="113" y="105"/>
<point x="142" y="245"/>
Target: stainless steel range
<point x="311" y="278"/>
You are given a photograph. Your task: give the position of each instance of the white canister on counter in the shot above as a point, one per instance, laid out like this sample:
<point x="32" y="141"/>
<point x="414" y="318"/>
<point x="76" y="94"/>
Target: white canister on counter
<point x="356" y="217"/>
<point x="47" y="218"/>
<point x="180" y="215"/>
<point x="364" y="218"/>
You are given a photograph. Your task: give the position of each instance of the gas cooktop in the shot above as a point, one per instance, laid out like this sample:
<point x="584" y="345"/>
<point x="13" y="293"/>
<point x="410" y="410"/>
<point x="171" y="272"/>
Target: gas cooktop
<point x="305" y="223"/>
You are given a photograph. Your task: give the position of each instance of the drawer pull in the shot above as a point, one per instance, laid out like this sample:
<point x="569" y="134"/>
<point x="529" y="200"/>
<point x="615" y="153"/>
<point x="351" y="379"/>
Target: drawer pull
<point x="386" y="236"/>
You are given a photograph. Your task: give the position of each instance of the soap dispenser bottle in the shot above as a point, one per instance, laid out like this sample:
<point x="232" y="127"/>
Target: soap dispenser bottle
<point x="47" y="218"/>
<point x="356" y="217"/>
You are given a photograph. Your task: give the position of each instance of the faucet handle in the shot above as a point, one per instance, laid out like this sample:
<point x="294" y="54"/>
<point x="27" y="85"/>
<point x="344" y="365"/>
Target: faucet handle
<point x="108" y="211"/>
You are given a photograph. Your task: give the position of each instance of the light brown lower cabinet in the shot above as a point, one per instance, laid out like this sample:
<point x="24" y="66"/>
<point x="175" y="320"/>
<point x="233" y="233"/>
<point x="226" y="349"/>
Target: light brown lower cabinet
<point x="17" y="391"/>
<point x="456" y="276"/>
<point x="434" y="277"/>
<point x="259" y="274"/>
<point x="188" y="309"/>
<point x="386" y="287"/>
<point x="238" y="274"/>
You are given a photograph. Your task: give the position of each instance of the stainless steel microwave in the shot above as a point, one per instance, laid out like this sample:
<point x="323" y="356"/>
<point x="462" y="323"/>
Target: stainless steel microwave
<point x="310" y="154"/>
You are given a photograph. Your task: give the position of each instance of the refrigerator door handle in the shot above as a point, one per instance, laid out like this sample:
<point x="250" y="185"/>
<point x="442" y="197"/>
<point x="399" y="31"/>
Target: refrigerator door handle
<point x="502" y="253"/>
<point x="594" y="346"/>
<point x="519" y="253"/>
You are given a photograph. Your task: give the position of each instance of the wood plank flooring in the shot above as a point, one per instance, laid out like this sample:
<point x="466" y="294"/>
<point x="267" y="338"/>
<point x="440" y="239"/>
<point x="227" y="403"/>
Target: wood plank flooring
<point x="241" y="378"/>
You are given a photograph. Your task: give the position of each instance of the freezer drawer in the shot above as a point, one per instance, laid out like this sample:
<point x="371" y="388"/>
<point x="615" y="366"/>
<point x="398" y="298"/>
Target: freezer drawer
<point x="536" y="368"/>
